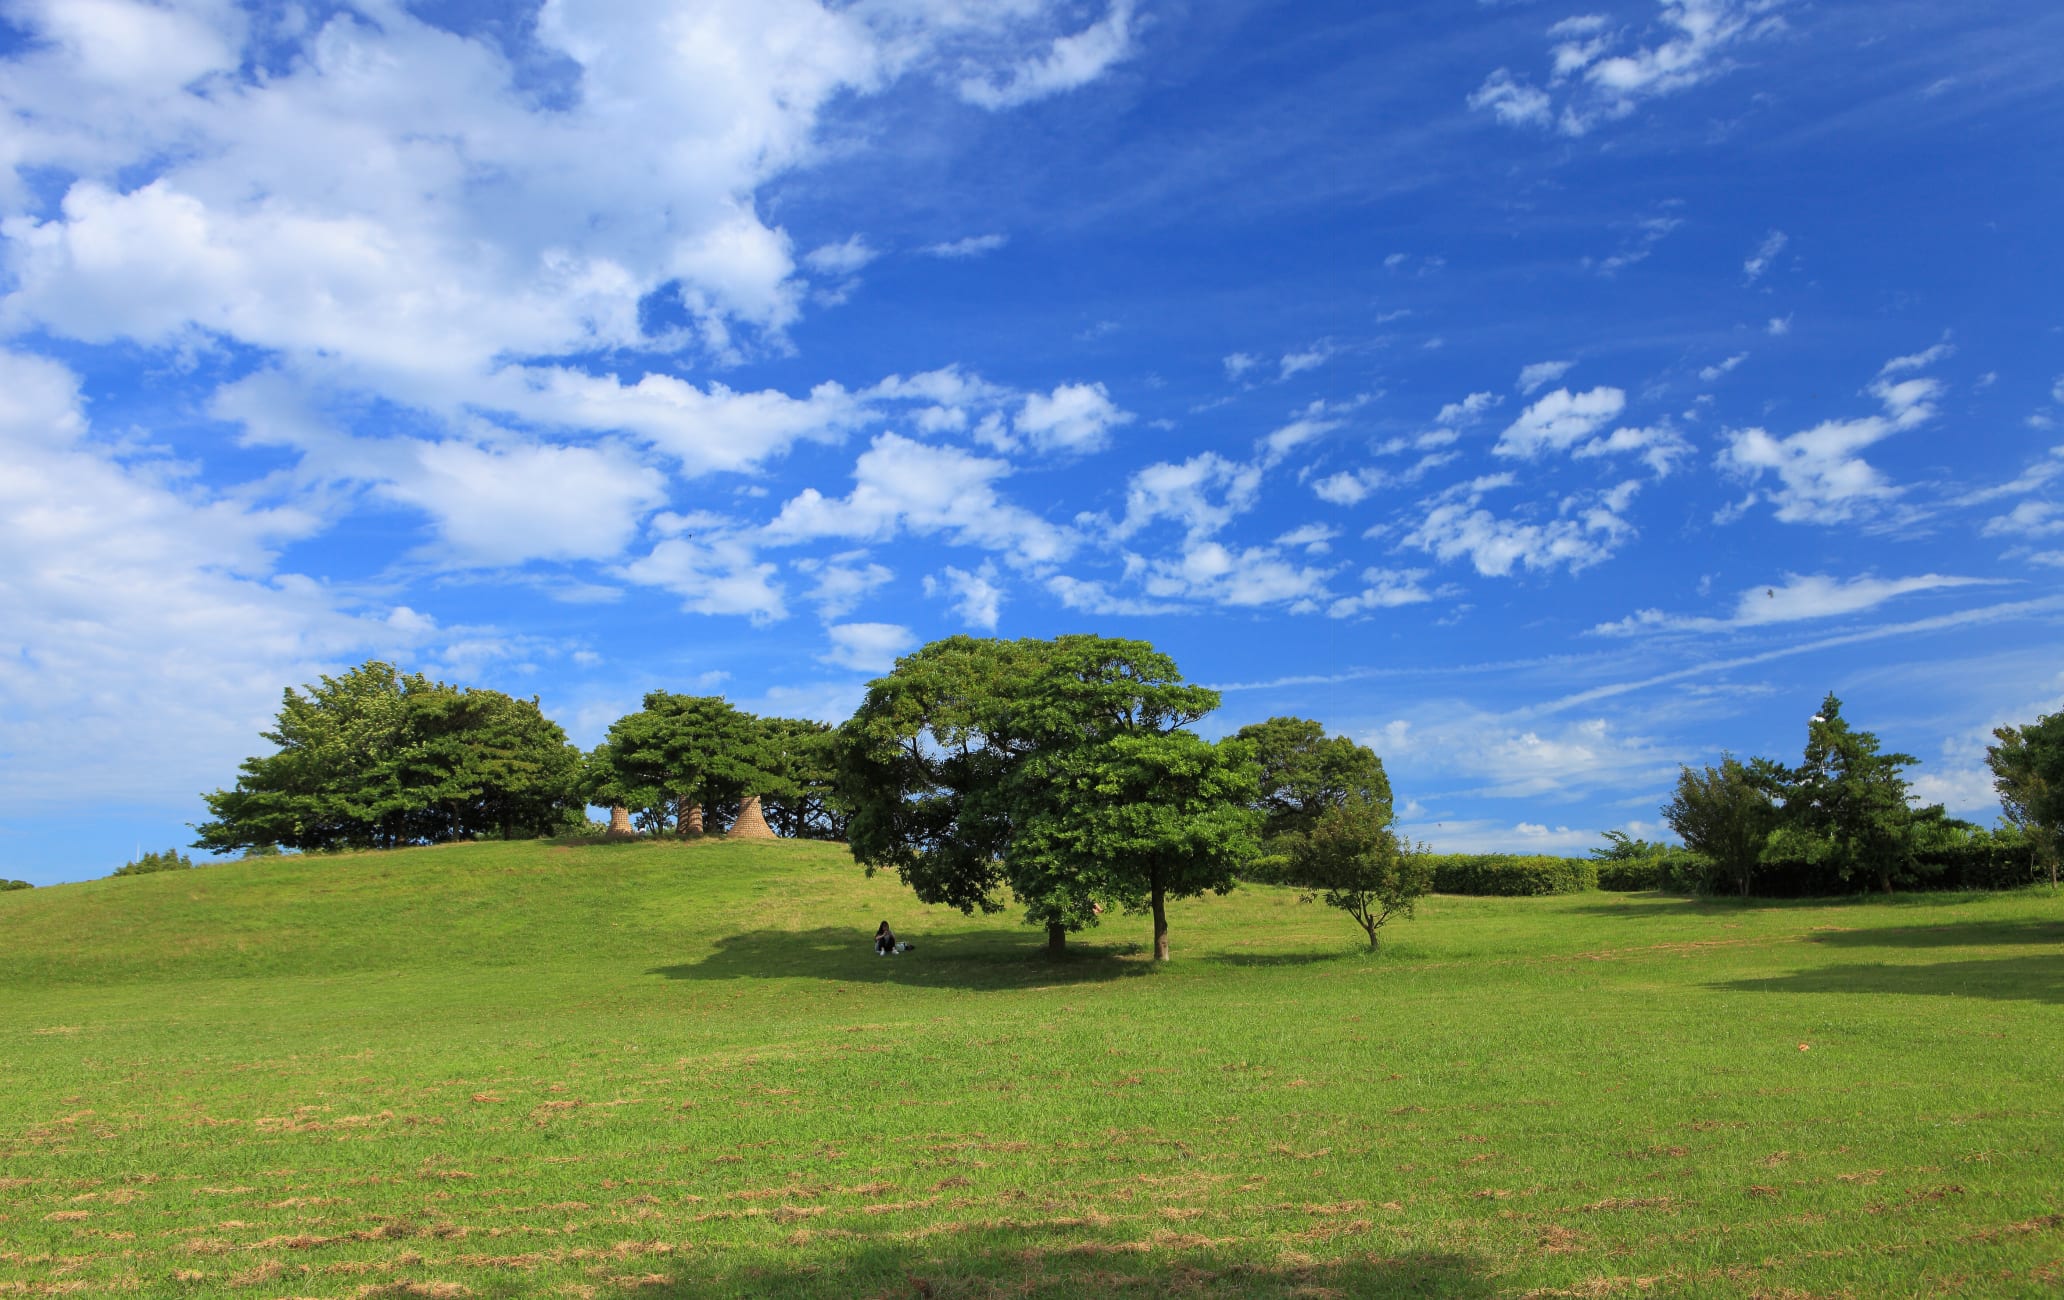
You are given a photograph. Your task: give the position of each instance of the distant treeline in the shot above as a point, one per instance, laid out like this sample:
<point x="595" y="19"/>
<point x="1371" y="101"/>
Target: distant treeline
<point x="960" y="748"/>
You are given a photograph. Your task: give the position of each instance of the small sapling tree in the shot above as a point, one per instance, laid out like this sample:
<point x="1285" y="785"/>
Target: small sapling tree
<point x="1353" y="860"/>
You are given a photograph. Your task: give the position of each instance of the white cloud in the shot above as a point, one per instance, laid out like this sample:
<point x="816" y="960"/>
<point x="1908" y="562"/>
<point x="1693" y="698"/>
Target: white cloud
<point x="148" y="627"/>
<point x="842" y="258"/>
<point x="1779" y="326"/>
<point x="1586" y="530"/>
<point x="1520" y="758"/>
<point x="842" y="582"/>
<point x="1203" y="494"/>
<point x="1540" y="374"/>
<point x="977" y="597"/>
<point x="1383" y="589"/>
<point x="1720" y="368"/>
<point x="1349" y="487"/>
<point x="1648" y="232"/>
<point x="1659" y="446"/>
<point x="1512" y="101"/>
<point x="390" y="212"/>
<point x="1069" y="62"/>
<point x="1316" y="539"/>
<point x="1073" y="418"/>
<point x="2029" y="519"/>
<point x="867" y="647"/>
<point x="1796" y="599"/>
<point x="1560" y="420"/>
<point x="1595" y="85"/>
<point x="1092" y="597"/>
<point x="901" y="485"/>
<point x="1821" y="476"/>
<point x="1468" y="409"/>
<point x="971" y="246"/>
<point x="1958" y="790"/>
<point x="712" y="568"/>
<point x="1253" y="576"/>
<point x="1311" y="358"/>
<point x="1918" y="360"/>
<point x="504" y="506"/>
<point x="1760" y="261"/>
<point x="1290" y="437"/>
<point x="1237" y="364"/>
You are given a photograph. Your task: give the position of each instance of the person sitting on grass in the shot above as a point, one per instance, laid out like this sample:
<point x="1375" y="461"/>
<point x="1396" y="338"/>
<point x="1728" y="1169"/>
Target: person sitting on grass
<point x="885" y="944"/>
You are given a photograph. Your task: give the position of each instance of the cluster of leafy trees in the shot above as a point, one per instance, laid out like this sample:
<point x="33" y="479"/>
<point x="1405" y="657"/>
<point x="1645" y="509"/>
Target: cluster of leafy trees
<point x="150" y="864"/>
<point x="379" y="758"/>
<point x="697" y="752"/>
<point x="6" y="885"/>
<point x="1840" y="818"/>
<point x="1064" y="774"/>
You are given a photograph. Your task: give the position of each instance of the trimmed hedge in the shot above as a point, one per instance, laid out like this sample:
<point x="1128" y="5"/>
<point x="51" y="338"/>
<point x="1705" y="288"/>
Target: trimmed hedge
<point x="1509" y="875"/>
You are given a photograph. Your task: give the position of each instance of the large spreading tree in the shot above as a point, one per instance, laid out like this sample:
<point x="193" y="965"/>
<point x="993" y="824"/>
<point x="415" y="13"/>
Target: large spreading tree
<point x="1061" y="772"/>
<point x="378" y="758"/>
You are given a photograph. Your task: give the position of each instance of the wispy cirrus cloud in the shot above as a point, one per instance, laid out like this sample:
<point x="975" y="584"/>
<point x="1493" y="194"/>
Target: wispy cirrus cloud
<point x="1597" y="74"/>
<point x="1795" y="599"/>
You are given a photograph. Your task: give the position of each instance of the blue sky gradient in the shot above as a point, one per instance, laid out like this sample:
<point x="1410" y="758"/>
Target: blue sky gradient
<point x="1544" y="394"/>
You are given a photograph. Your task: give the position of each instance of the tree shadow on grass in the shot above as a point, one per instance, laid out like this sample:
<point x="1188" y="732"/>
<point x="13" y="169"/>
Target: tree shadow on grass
<point x="1267" y="959"/>
<point x="1655" y="903"/>
<point x="2005" y="979"/>
<point x="1959" y="934"/>
<point x="973" y="961"/>
<point x="1088" y="1271"/>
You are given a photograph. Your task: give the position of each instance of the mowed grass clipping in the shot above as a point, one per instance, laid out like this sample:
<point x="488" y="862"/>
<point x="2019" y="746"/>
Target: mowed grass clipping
<point x="679" y="1070"/>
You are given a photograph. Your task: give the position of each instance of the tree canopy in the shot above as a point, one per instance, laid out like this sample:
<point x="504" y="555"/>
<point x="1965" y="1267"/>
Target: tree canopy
<point x="1304" y="772"/>
<point x="2028" y="772"/>
<point x="378" y="758"/>
<point x="1060" y="771"/>
<point x="678" y="750"/>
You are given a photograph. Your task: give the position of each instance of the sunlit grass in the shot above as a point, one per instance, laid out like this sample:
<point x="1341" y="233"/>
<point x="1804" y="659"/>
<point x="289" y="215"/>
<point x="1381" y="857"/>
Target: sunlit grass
<point x="660" y="1069"/>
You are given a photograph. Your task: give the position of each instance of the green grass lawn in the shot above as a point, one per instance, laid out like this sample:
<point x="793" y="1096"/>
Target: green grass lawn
<point x="679" y="1070"/>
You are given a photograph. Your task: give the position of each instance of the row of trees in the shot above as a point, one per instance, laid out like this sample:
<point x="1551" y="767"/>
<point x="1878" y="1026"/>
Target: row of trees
<point x="1061" y="774"/>
<point x="1842" y="818"/>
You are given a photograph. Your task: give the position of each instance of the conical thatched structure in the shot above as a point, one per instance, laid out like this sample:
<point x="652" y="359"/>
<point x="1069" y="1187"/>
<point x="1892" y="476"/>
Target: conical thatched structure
<point x="751" y="823"/>
<point x="620" y="821"/>
<point x="688" y="816"/>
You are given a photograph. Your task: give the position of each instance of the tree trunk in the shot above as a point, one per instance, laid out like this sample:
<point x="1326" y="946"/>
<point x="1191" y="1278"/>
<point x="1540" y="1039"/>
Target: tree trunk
<point x="1160" y="921"/>
<point x="1056" y="939"/>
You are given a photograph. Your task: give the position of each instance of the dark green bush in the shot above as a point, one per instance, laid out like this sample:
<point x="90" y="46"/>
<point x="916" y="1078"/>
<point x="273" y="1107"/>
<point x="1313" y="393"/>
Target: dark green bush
<point x="150" y="863"/>
<point x="1628" y="875"/>
<point x="6" y="885"/>
<point x="1510" y="875"/>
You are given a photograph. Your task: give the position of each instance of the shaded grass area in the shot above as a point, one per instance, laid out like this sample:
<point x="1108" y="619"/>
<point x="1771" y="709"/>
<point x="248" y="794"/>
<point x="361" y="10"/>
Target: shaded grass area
<point x="679" y="1069"/>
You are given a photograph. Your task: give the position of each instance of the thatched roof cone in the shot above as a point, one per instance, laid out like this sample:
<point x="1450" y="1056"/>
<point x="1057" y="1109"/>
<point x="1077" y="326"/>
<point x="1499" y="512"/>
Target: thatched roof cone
<point x="620" y="821"/>
<point x="690" y="818"/>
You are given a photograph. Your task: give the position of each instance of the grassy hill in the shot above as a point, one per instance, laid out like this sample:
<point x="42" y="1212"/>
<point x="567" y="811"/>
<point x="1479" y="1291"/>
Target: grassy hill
<point x="678" y="1069"/>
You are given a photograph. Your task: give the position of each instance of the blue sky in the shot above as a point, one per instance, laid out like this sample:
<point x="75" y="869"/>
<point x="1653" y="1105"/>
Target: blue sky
<point x="1547" y="394"/>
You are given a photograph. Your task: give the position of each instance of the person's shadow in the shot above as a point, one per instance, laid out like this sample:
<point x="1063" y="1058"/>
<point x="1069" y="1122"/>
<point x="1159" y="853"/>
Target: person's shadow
<point x="967" y="960"/>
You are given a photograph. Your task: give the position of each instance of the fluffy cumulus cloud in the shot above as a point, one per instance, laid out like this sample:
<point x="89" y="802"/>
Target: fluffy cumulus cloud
<point x="1383" y="589"/>
<point x="1203" y="494"/>
<point x="977" y="594"/>
<point x="712" y="565"/>
<point x="1072" y="418"/>
<point x="1600" y="72"/>
<point x="394" y="212"/>
<point x="1795" y="599"/>
<point x="1585" y="529"/>
<point x="1541" y="374"/>
<point x="867" y="647"/>
<point x="149" y="624"/>
<point x="903" y="486"/>
<point x="1560" y="421"/>
<point x="1821" y="476"/>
